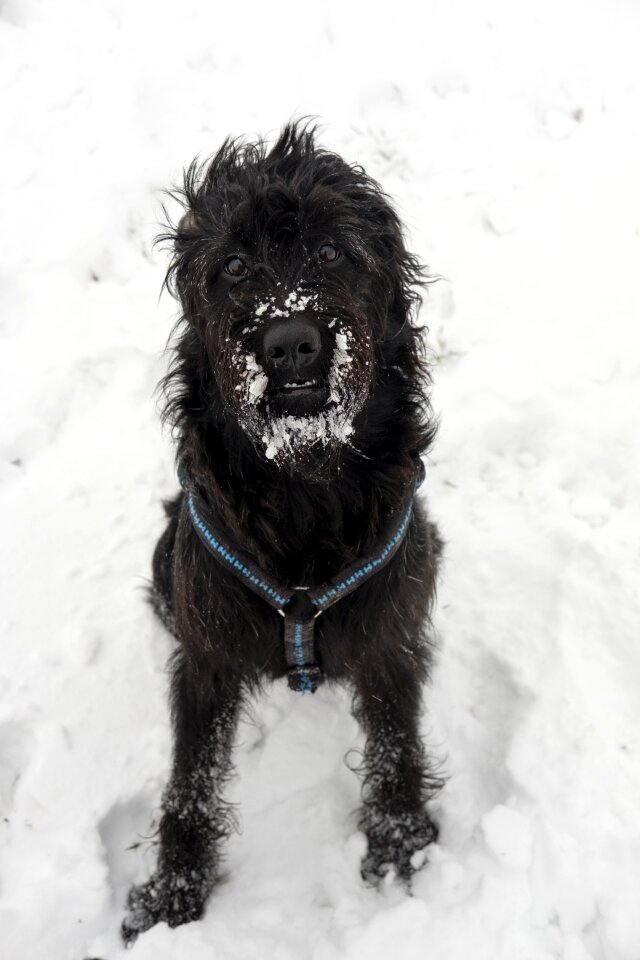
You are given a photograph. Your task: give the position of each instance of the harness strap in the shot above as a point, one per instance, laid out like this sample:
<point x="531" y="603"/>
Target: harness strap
<point x="303" y="673"/>
<point x="233" y="559"/>
<point x="299" y="605"/>
<point x="350" y="579"/>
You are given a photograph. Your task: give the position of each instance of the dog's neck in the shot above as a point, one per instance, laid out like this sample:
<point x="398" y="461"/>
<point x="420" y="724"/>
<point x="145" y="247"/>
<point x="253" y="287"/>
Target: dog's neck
<point x="302" y="529"/>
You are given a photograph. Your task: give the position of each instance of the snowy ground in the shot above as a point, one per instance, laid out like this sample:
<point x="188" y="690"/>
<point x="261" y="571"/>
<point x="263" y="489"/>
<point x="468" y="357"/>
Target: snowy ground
<point x="509" y="136"/>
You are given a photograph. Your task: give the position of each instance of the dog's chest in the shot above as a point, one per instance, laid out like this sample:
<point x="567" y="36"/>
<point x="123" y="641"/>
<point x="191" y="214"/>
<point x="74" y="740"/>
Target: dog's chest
<point x="303" y="542"/>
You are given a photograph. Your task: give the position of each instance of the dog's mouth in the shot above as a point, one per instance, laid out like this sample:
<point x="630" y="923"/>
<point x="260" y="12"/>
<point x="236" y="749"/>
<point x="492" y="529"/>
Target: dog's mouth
<point x="299" y="389"/>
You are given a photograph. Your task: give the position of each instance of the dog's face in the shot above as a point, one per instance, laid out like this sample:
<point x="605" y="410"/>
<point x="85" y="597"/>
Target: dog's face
<point x="291" y="270"/>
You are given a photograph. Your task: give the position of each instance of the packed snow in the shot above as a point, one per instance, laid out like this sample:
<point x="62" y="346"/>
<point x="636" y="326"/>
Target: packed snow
<point x="252" y="374"/>
<point x="508" y="136"/>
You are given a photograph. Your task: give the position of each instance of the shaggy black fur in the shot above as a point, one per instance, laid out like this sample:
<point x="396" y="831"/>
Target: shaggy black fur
<point x="260" y="225"/>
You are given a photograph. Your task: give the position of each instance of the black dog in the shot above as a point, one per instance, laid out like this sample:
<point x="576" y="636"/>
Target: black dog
<point x="298" y="395"/>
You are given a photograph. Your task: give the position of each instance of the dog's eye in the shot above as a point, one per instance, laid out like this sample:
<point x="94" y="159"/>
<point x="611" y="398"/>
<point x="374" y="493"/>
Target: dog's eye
<point x="328" y="253"/>
<point x="236" y="267"/>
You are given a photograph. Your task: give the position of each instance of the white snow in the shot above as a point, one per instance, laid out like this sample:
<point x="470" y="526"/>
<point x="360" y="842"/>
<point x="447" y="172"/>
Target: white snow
<point x="294" y="302"/>
<point x="256" y="379"/>
<point x="509" y="136"/>
<point x="340" y="360"/>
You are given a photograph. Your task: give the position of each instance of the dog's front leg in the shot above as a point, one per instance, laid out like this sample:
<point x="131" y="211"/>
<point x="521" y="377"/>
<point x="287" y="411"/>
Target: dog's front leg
<point x="195" y="818"/>
<point x="397" y="778"/>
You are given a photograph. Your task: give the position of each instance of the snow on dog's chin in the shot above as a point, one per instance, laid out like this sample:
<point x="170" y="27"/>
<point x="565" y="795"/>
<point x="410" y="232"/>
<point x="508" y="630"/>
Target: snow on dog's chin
<point x="286" y="437"/>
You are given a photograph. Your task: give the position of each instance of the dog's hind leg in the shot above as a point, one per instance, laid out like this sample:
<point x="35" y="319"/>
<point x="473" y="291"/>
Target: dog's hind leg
<point x="398" y="780"/>
<point x="195" y="817"/>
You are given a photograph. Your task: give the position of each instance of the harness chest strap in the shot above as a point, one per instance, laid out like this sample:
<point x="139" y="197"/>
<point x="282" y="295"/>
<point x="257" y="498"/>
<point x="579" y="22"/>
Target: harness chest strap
<point x="299" y="606"/>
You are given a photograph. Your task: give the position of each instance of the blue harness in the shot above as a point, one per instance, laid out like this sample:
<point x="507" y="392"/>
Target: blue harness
<point x="300" y="606"/>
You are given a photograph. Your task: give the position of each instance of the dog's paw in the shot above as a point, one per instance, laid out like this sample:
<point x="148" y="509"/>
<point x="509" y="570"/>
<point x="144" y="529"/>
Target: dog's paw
<point x="173" y="900"/>
<point x="396" y="845"/>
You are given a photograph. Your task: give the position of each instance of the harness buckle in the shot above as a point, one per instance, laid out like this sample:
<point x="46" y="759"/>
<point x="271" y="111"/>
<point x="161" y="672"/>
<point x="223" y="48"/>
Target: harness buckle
<point x="304" y="679"/>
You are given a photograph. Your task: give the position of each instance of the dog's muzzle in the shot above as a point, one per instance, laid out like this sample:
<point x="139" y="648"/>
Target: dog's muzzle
<point x="295" y="358"/>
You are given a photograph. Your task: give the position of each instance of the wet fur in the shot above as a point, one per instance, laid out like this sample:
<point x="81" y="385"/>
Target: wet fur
<point x="302" y="520"/>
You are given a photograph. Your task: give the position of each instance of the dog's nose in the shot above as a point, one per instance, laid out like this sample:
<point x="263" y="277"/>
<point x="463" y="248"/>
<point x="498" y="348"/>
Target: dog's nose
<point x="292" y="343"/>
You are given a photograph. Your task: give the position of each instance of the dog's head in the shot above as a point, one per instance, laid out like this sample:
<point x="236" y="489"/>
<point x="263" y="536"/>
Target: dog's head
<point x="296" y="291"/>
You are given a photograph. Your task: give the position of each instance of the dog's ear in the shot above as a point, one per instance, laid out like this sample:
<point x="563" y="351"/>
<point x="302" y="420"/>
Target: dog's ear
<point x="188" y="224"/>
<point x="185" y="283"/>
<point x="406" y="277"/>
<point x="401" y="274"/>
<point x="408" y="282"/>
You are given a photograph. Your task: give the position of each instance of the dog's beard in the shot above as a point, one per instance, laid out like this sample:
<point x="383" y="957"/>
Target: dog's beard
<point x="306" y="440"/>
